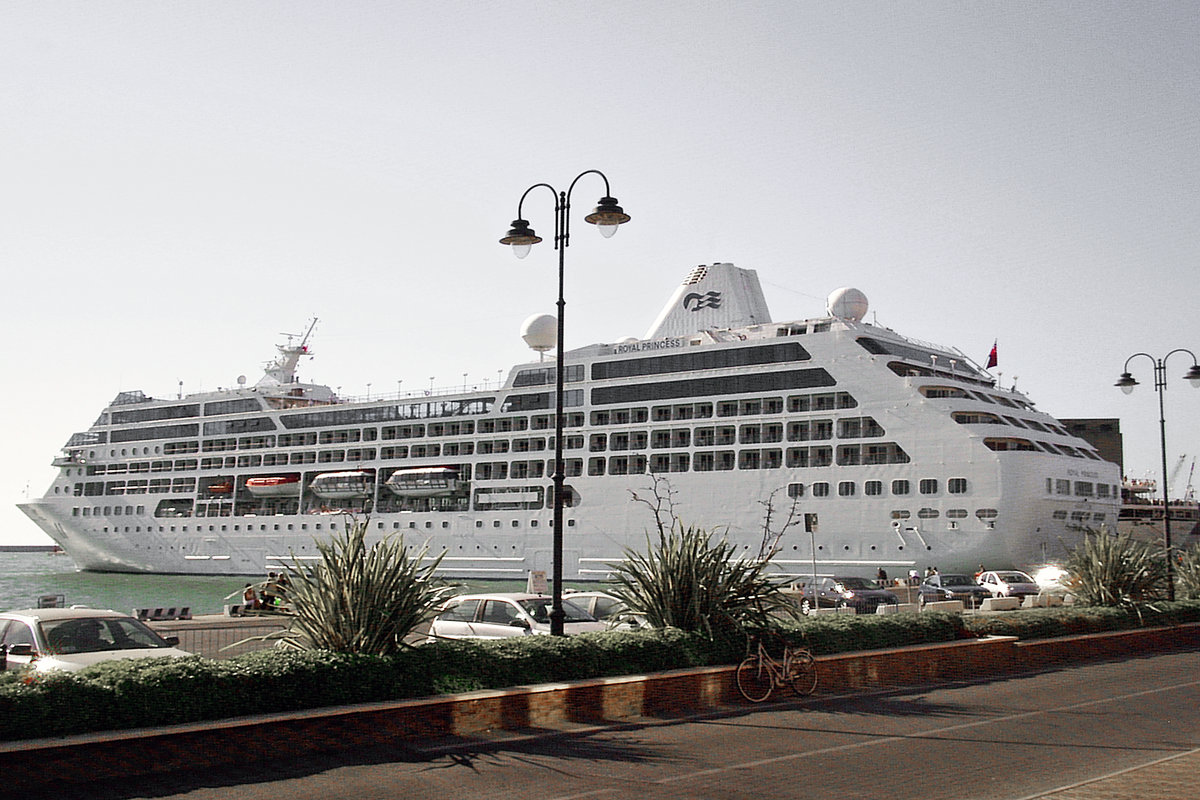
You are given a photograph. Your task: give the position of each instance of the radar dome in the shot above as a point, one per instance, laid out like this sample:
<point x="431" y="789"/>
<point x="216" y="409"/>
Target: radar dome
<point x="847" y="303"/>
<point x="540" y="332"/>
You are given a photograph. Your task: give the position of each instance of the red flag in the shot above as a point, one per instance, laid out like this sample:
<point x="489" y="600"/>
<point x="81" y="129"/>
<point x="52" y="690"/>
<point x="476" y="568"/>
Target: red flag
<point x="992" y="357"/>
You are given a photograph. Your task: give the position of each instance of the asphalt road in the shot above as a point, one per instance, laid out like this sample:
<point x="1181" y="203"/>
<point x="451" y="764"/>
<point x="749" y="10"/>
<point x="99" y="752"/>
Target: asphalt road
<point x="1003" y="739"/>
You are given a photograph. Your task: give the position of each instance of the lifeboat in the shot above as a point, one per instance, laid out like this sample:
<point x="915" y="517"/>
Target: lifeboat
<point x="223" y="487"/>
<point x="274" y="486"/>
<point x="423" y="482"/>
<point x="343" y="485"/>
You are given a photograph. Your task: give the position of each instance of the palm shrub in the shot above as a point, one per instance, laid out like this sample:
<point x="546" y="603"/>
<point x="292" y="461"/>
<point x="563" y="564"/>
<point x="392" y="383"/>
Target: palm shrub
<point x="695" y="582"/>
<point x="360" y="599"/>
<point x="1188" y="573"/>
<point x="1116" y="570"/>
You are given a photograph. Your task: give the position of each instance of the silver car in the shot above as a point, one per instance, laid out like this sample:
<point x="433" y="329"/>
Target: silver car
<point x="1008" y="583"/>
<point x="608" y="609"/>
<point x="73" y="638"/>
<point x="498" y="616"/>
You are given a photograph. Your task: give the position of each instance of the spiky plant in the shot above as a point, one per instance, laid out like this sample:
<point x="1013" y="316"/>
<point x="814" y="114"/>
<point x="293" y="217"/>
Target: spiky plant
<point x="1116" y="570"/>
<point x="692" y="581"/>
<point x="1187" y="571"/>
<point x="360" y="599"/>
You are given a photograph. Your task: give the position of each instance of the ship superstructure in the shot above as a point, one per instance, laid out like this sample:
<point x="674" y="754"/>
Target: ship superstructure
<point x="889" y="451"/>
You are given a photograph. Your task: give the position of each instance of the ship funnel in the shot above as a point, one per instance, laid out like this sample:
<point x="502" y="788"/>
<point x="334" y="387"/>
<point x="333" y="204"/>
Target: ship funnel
<point x="712" y="297"/>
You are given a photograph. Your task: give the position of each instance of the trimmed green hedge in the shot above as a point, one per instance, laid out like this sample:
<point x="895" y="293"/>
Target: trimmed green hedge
<point x="1045" y="623"/>
<point x="150" y="692"/>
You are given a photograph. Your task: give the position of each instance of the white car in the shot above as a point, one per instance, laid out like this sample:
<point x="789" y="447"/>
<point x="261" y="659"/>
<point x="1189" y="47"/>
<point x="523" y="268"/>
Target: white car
<point x="608" y="609"/>
<point x="498" y="616"/>
<point x="1008" y="583"/>
<point x="73" y="638"/>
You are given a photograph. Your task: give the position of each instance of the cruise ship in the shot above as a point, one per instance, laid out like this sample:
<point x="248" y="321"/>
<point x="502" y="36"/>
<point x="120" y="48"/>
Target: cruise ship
<point x="868" y="449"/>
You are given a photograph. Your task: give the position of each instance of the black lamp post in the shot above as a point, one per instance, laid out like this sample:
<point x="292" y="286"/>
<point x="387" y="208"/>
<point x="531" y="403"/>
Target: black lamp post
<point x="1126" y="384"/>
<point x="606" y="217"/>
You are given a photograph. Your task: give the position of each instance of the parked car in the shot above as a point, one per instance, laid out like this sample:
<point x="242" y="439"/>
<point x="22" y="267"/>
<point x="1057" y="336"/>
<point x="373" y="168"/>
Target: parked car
<point x="1052" y="579"/>
<point x="496" y="616"/>
<point x="840" y="591"/>
<point x="607" y="609"/>
<point x="73" y="638"/>
<point x="952" y="587"/>
<point x="1008" y="583"/>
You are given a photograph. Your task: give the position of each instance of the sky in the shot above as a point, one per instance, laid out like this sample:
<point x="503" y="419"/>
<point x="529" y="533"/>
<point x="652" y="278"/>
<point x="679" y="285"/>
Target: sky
<point x="183" y="182"/>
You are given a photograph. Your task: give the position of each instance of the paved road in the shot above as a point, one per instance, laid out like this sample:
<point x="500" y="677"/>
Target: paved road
<point x="1117" y="729"/>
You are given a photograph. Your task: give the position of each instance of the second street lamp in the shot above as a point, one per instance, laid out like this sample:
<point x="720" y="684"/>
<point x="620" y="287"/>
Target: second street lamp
<point x="1126" y="384"/>
<point x="606" y="216"/>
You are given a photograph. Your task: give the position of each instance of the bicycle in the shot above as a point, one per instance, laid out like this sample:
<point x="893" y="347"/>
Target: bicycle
<point x="759" y="673"/>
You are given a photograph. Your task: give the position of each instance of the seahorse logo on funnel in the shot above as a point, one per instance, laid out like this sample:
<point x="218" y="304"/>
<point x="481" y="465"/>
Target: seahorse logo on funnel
<point x="695" y="302"/>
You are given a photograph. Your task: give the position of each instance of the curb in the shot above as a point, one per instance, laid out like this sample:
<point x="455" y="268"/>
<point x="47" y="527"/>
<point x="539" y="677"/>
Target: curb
<point x="558" y="706"/>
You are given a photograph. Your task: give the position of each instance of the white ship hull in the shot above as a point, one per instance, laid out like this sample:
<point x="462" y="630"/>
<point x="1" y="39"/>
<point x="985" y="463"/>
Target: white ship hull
<point x="902" y="459"/>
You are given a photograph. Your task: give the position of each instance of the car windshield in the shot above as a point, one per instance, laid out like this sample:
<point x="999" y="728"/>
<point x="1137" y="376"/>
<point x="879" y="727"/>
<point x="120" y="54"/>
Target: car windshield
<point x="97" y="634"/>
<point x="539" y="609"/>
<point x="957" y="580"/>
<point x="1015" y="577"/>
<point x="857" y="583"/>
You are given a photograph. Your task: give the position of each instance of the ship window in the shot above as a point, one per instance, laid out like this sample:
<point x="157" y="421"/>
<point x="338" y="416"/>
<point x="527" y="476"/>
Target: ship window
<point x="721" y="385"/>
<point x="943" y="391"/>
<point x="873" y="488"/>
<point x="928" y="513"/>
<point x="1060" y="514"/>
<point x="820" y="489"/>
<point x="976" y="418"/>
<point x="846" y="489"/>
<point x="795" y="490"/>
<point x="956" y="513"/>
<point x="1084" y="489"/>
<point x="900" y="487"/>
<point x="928" y="486"/>
<point x="956" y="486"/>
<point x="706" y="359"/>
<point x="901" y="514"/>
<point x="987" y="513"/>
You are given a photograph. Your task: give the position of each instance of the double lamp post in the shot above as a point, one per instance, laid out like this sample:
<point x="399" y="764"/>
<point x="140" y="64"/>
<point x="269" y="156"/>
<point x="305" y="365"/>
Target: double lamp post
<point x="1126" y="384"/>
<point x="606" y="216"/>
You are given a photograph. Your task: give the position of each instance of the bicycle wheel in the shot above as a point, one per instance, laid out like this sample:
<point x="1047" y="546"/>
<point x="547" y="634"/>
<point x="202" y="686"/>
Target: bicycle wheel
<point x="802" y="673"/>
<point x="753" y="680"/>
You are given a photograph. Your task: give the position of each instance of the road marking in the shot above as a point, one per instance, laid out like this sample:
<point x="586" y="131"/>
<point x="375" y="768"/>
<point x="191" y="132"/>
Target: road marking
<point x="919" y="735"/>
<point x="1118" y="773"/>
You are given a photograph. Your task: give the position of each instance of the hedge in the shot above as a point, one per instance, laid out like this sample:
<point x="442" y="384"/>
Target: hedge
<point x="162" y="691"/>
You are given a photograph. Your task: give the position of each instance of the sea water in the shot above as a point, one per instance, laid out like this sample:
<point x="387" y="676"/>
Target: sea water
<point x="24" y="577"/>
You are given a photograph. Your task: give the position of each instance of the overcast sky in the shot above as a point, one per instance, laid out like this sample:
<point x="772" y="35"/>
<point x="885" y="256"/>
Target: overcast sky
<point x="181" y="182"/>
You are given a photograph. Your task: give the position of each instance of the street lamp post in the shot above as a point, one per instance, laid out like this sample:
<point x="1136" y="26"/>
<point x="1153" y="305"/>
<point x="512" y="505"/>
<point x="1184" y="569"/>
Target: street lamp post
<point x="606" y="217"/>
<point x="1126" y="384"/>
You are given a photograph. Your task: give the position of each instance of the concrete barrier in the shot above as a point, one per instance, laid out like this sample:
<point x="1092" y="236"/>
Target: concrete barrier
<point x="1042" y="601"/>
<point x="898" y="608"/>
<point x="1000" y="604"/>
<point x="949" y="606"/>
<point x="838" y="610"/>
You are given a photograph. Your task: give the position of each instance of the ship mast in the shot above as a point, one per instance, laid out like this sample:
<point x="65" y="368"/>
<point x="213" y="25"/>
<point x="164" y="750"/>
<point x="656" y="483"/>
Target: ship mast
<point x="282" y="370"/>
